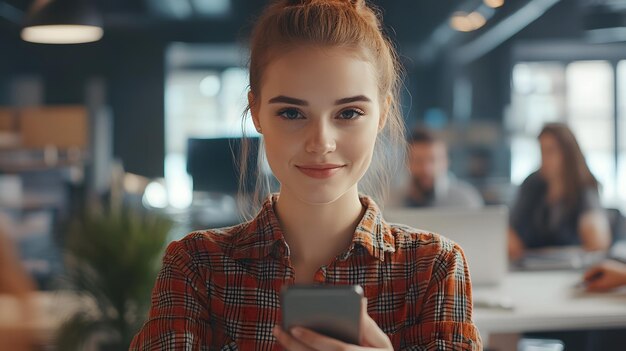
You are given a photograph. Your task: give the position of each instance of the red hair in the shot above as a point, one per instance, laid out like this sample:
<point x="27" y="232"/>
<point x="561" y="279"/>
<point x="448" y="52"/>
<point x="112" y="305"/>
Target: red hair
<point x="335" y="23"/>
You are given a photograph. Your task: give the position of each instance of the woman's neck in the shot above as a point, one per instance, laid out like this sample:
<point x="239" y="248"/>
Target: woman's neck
<point x="317" y="233"/>
<point x="556" y="190"/>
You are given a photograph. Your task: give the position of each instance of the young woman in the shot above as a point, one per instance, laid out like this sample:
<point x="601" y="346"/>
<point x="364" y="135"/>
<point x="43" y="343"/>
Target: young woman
<point x="323" y="94"/>
<point x="559" y="204"/>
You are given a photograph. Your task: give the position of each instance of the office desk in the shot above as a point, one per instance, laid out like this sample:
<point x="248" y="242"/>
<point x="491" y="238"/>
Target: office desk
<point x="548" y="301"/>
<point x="48" y="312"/>
<point x="543" y="301"/>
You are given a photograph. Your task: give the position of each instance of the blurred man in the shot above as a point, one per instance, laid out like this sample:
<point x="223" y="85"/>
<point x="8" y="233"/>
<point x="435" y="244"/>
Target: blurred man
<point x="431" y="184"/>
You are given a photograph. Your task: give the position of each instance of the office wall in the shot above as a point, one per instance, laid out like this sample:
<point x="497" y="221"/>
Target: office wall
<point x="490" y="75"/>
<point x="132" y="69"/>
<point x="130" y="61"/>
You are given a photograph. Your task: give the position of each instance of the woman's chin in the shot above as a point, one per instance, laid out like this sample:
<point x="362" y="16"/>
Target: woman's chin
<point x="319" y="195"/>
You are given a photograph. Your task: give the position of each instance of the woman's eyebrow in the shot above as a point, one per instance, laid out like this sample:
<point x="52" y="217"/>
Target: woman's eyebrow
<point x="288" y="100"/>
<point x="352" y="99"/>
<point x="300" y="102"/>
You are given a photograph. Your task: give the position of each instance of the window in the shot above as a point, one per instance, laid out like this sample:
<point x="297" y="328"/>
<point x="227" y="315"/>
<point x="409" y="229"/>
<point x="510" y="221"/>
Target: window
<point x="205" y="97"/>
<point x="590" y="115"/>
<point x="581" y="94"/>
<point x="621" y="124"/>
<point x="538" y="97"/>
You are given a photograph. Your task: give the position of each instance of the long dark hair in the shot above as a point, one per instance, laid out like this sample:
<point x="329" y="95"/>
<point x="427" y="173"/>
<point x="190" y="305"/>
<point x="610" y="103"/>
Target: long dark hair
<point x="576" y="175"/>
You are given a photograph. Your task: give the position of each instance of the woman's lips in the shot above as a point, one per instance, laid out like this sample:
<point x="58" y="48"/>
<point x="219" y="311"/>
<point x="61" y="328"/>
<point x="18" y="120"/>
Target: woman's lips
<point x="320" y="171"/>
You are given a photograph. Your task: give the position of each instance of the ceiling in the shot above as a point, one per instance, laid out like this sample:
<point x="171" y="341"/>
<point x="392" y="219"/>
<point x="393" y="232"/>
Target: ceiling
<point x="414" y="24"/>
<point x="410" y="20"/>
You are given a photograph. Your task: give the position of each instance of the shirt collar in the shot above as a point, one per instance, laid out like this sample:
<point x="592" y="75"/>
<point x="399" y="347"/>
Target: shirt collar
<point x="372" y="232"/>
<point x="262" y="235"/>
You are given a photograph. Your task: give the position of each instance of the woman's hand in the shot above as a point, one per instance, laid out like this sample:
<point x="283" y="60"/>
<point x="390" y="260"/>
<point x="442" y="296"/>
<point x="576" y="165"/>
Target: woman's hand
<point x="605" y="276"/>
<point x="300" y="339"/>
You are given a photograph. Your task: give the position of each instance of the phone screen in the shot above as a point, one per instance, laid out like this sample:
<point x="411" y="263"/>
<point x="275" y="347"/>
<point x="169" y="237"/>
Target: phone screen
<point x="334" y="311"/>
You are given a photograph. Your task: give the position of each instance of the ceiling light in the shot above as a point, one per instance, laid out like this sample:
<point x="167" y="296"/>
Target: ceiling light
<point x="460" y="22"/>
<point x="464" y="22"/>
<point x="476" y="19"/>
<point x="62" y="22"/>
<point x="494" y="3"/>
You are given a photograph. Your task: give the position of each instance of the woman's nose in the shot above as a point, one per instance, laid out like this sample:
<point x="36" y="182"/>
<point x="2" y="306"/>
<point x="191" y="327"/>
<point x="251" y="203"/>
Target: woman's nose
<point x="320" y="138"/>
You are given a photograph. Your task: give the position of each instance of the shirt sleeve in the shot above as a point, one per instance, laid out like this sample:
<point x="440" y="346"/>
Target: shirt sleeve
<point x="179" y="314"/>
<point x="444" y="318"/>
<point x="590" y="201"/>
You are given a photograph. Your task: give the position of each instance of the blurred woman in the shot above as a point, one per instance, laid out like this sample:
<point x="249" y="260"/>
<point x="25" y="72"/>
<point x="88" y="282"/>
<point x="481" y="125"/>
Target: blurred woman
<point x="559" y="204"/>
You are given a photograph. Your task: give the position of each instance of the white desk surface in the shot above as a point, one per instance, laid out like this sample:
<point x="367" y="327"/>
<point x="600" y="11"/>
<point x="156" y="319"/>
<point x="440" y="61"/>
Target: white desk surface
<point x="547" y="301"/>
<point x="543" y="301"/>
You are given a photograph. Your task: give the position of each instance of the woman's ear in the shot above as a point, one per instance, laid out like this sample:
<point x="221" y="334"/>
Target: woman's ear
<point x="254" y="111"/>
<point x="384" y="113"/>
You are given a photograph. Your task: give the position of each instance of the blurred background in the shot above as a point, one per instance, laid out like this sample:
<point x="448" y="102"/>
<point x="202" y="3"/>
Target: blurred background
<point x="132" y="123"/>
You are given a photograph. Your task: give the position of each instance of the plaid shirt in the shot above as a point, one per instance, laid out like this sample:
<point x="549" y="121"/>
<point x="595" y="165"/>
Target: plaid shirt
<point x="220" y="289"/>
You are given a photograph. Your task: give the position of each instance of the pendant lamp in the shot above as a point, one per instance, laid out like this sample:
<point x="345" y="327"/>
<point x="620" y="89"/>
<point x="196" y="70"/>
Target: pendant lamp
<point x="62" y="22"/>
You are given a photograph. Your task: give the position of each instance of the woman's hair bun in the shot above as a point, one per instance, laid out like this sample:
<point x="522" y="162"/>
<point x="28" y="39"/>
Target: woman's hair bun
<point x="356" y="3"/>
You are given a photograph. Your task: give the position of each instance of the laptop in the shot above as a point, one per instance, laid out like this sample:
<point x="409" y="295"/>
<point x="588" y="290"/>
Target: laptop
<point x="481" y="233"/>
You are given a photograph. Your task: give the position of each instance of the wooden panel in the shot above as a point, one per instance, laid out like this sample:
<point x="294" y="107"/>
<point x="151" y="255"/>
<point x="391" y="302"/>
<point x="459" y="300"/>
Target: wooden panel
<point x="7" y="120"/>
<point x="60" y="126"/>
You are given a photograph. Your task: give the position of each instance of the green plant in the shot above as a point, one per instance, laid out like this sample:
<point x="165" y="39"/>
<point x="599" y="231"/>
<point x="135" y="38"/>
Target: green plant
<point x="112" y="258"/>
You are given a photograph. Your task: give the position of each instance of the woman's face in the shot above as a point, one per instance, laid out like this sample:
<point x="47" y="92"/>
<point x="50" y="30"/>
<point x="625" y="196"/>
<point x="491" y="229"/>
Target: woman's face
<point x="319" y="113"/>
<point x="551" y="157"/>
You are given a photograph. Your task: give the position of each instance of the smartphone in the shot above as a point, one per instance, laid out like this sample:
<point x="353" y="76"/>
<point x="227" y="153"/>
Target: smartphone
<point x="334" y="311"/>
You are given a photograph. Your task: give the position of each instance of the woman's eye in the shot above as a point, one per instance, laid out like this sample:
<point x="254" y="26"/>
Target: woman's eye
<point x="290" y="113"/>
<point x="350" y="114"/>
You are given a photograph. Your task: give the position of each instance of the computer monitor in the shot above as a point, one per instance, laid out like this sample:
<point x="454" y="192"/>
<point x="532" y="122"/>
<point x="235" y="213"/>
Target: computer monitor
<point x="214" y="167"/>
<point x="481" y="233"/>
